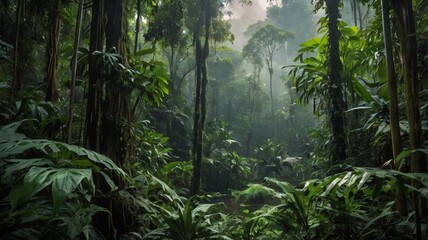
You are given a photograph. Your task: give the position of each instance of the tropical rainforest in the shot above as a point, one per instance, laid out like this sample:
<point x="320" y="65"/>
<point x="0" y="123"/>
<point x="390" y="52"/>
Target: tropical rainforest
<point x="213" y="119"/>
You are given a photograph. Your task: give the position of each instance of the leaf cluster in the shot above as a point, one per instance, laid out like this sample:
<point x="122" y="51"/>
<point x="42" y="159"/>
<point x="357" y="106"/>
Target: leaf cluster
<point x="52" y="180"/>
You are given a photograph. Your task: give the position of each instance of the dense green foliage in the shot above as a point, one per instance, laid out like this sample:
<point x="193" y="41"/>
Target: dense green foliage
<point x="187" y="137"/>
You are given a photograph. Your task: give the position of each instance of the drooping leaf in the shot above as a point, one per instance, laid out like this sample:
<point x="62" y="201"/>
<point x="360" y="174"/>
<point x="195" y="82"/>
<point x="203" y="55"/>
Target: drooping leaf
<point x="17" y="165"/>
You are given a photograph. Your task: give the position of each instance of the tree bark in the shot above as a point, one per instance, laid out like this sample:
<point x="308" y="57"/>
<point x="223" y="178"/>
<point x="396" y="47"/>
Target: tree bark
<point x="200" y="102"/>
<point x="15" y="84"/>
<point x="52" y="51"/>
<point x="92" y="137"/>
<point x="408" y="55"/>
<point x="96" y="78"/>
<point x="137" y="25"/>
<point x="337" y="106"/>
<point x="197" y="142"/>
<point x="400" y="198"/>
<point x="114" y="131"/>
<point x="74" y="71"/>
<point x="272" y="103"/>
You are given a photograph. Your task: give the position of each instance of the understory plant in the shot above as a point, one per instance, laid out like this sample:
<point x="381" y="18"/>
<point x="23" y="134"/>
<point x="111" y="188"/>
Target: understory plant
<point x="188" y="221"/>
<point x="224" y="168"/>
<point x="47" y="187"/>
<point x="357" y="203"/>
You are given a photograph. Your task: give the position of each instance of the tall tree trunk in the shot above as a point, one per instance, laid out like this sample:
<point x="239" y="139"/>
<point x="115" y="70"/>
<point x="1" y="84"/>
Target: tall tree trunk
<point x="200" y="102"/>
<point x="197" y="142"/>
<point x="205" y="53"/>
<point x="408" y="55"/>
<point x="115" y="105"/>
<point x="114" y="134"/>
<point x="92" y="136"/>
<point x="272" y="103"/>
<point x="96" y="78"/>
<point x="137" y="26"/>
<point x="393" y="106"/>
<point x="270" y="68"/>
<point x="360" y="15"/>
<point x="74" y="71"/>
<point x="52" y="51"/>
<point x="15" y="85"/>
<point x="354" y="11"/>
<point x="108" y="105"/>
<point x="337" y="106"/>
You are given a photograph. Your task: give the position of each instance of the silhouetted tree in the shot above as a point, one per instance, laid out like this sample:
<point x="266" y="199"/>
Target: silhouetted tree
<point x="335" y="89"/>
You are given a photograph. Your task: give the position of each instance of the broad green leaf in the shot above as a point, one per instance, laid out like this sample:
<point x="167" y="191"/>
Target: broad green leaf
<point x="312" y="43"/>
<point x="349" y="31"/>
<point x="17" y="165"/>
<point x="48" y="147"/>
<point x="36" y="179"/>
<point x="65" y="181"/>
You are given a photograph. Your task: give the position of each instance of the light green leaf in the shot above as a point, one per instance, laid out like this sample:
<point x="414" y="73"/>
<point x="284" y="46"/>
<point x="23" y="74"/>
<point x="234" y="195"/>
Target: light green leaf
<point x="313" y="43"/>
<point x="144" y="52"/>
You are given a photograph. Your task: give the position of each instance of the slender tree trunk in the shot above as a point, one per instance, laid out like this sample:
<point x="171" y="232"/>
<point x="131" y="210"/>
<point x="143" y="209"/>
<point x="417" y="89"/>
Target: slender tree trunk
<point x="197" y="142"/>
<point x="354" y="11"/>
<point x="360" y="15"/>
<point x="15" y="85"/>
<point x="337" y="121"/>
<point x="205" y="53"/>
<point x="393" y="106"/>
<point x="52" y="51"/>
<point x="408" y="55"/>
<point x="172" y="68"/>
<point x="137" y="26"/>
<point x="200" y="105"/>
<point x="251" y="98"/>
<point x="270" y="68"/>
<point x="74" y="72"/>
<point x="272" y="103"/>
